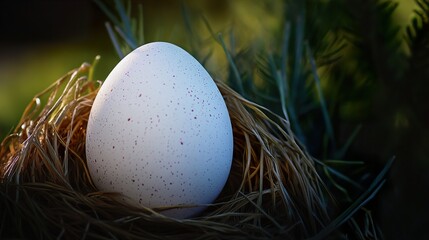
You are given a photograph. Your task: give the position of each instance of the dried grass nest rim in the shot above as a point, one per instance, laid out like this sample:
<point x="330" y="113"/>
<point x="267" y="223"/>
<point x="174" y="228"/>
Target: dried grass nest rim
<point x="273" y="190"/>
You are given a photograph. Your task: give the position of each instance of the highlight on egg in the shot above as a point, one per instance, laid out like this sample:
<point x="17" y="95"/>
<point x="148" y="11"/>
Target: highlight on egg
<point x="159" y="132"/>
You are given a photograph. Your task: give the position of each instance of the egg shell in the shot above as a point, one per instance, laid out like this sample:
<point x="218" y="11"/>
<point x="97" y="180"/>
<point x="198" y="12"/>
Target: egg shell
<point x="159" y="132"/>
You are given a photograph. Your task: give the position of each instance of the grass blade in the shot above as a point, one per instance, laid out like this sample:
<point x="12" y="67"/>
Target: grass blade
<point x="140" y="24"/>
<point x="114" y="40"/>
<point x="106" y="11"/>
<point x="238" y="82"/>
<point x="323" y="106"/>
<point x="339" y="154"/>
<point x="357" y="204"/>
<point x="299" y="39"/>
<point x="126" y="22"/>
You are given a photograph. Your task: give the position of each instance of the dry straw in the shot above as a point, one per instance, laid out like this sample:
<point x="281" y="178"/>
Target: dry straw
<point x="273" y="190"/>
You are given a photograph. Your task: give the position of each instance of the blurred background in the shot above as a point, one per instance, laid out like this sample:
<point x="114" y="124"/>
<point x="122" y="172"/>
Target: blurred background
<point x="42" y="40"/>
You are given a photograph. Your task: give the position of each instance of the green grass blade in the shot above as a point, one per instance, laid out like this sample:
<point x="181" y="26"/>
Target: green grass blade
<point x="337" y="185"/>
<point x="207" y="57"/>
<point x="209" y="28"/>
<point x="299" y="39"/>
<point x="91" y="70"/>
<point x="342" y="162"/>
<point x="193" y="38"/>
<point x="114" y="40"/>
<point x="126" y="22"/>
<point x="339" y="154"/>
<point x="357" y="204"/>
<point x="232" y="42"/>
<point x="106" y="11"/>
<point x="281" y="86"/>
<point x="140" y="23"/>
<point x="344" y="177"/>
<point x="130" y="42"/>
<point x="324" y="108"/>
<point x="238" y="82"/>
<point x="128" y="8"/>
<point x="284" y="87"/>
<point x="339" y="174"/>
<point x="285" y="51"/>
<point x="187" y="19"/>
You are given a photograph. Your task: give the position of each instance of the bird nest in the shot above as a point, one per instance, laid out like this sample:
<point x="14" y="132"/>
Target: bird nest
<point x="273" y="190"/>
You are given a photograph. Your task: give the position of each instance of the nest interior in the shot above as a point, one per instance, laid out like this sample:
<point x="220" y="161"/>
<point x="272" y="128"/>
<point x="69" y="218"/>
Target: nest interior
<point x="273" y="190"/>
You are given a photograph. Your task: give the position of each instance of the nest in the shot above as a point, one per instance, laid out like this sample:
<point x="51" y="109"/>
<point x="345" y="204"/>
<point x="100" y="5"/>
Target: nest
<point x="273" y="190"/>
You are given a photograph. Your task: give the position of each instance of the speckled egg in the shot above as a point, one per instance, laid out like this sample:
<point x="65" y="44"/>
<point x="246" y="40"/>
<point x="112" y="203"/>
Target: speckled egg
<point x="159" y="132"/>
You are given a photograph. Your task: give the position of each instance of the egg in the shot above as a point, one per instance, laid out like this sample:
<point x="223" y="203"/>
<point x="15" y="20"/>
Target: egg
<point x="159" y="132"/>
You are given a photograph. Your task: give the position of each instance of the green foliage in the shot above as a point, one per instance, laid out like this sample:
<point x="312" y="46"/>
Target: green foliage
<point x="414" y="86"/>
<point x="129" y="30"/>
<point x="334" y="64"/>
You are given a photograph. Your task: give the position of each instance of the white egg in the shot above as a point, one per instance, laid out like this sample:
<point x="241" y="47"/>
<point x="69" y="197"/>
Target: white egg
<point x="159" y="131"/>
